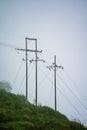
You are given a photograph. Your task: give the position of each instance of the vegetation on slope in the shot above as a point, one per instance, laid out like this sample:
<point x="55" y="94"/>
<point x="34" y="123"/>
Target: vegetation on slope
<point x="18" y="114"/>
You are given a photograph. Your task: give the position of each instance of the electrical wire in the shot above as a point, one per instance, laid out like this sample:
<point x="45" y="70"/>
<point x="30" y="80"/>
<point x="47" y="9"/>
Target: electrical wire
<point x="71" y="104"/>
<point x="21" y="84"/>
<point x="46" y="61"/>
<point x="72" y="92"/>
<point x="24" y="79"/>
<point x="50" y="94"/>
<point x="46" y="75"/>
<point x="73" y="82"/>
<point x="8" y="45"/>
<point x="18" y="71"/>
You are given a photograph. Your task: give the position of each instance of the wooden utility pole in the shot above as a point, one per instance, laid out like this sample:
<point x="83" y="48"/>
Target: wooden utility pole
<point x="36" y="60"/>
<point x="54" y="67"/>
<point x="36" y="72"/>
<point x="26" y="69"/>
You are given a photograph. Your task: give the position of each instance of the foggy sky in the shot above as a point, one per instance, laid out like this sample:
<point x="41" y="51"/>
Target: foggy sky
<point x="60" y="27"/>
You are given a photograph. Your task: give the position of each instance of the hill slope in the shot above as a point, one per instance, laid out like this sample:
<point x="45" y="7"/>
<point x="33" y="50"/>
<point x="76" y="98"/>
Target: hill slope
<point x="18" y="114"/>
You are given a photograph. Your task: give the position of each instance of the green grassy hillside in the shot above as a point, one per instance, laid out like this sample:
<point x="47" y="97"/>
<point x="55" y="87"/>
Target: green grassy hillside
<point x="18" y="114"/>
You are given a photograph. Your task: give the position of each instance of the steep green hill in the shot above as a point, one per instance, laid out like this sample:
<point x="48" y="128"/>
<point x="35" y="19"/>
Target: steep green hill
<point x="18" y="114"/>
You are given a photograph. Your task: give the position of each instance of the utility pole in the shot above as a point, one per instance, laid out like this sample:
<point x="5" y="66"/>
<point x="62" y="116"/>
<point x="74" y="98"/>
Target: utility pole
<point x="36" y="60"/>
<point x="36" y="74"/>
<point x="26" y="70"/>
<point x="54" y="67"/>
<point x="28" y="50"/>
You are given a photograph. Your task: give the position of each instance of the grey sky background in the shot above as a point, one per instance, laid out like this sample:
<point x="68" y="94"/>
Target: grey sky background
<point x="61" y="28"/>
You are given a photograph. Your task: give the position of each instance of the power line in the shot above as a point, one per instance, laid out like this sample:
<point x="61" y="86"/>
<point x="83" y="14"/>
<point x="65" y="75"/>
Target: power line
<point x="21" y="83"/>
<point x="24" y="78"/>
<point x="16" y="76"/>
<point x="73" y="82"/>
<point x="46" y="75"/>
<point x="72" y="92"/>
<point x="7" y="45"/>
<point x="71" y="104"/>
<point x="50" y="94"/>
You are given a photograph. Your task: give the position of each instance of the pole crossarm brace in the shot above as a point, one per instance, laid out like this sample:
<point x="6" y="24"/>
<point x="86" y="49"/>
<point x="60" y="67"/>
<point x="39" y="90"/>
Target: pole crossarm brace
<point x="31" y="39"/>
<point x="28" y="50"/>
<point x="36" y="60"/>
<point x="54" y="67"/>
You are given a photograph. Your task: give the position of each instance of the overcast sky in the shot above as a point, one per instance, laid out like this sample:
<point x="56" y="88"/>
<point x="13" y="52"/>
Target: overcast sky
<point x="60" y="27"/>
